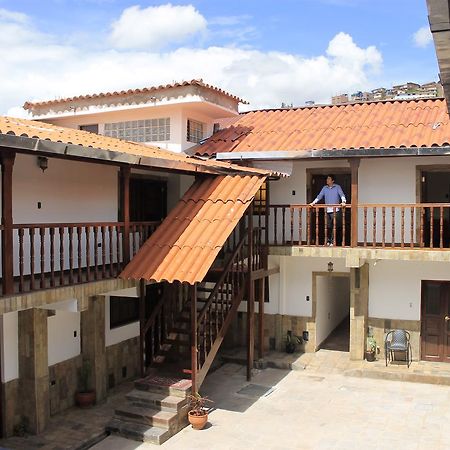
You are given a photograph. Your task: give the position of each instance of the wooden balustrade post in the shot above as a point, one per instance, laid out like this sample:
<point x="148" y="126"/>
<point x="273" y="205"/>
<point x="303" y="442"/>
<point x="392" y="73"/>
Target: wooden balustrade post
<point x="125" y="208"/>
<point x="142" y="298"/>
<point x="354" y="166"/>
<point x="7" y="161"/>
<point x="194" y="337"/>
<point x="250" y="300"/>
<point x="262" y="284"/>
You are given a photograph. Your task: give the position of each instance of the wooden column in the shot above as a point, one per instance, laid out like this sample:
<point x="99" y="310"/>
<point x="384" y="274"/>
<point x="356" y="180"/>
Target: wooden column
<point x="250" y="298"/>
<point x="266" y="227"/>
<point x="142" y="298"/>
<point x="354" y="165"/>
<point x="7" y="222"/>
<point x="261" y="319"/>
<point x="194" y="364"/>
<point x="125" y="208"/>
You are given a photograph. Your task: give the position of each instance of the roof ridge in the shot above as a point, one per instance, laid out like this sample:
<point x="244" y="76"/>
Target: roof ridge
<point x="117" y="93"/>
<point x="341" y="105"/>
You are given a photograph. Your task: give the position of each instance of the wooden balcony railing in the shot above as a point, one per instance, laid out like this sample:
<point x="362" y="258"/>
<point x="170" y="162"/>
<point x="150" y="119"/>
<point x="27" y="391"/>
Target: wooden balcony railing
<point x="308" y="225"/>
<point x="400" y="226"/>
<point x="62" y="254"/>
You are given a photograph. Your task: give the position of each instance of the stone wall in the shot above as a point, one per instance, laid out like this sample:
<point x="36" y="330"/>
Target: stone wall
<point x="11" y="407"/>
<point x="276" y="327"/>
<point x="122" y="362"/>
<point x="64" y="378"/>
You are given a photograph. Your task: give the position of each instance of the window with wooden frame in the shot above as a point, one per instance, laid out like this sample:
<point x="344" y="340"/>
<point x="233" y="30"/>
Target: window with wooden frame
<point x="123" y="311"/>
<point x="195" y="131"/>
<point x="260" y="201"/>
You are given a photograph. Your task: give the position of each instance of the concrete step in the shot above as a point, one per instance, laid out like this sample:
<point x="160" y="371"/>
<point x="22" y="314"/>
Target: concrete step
<point x="148" y="416"/>
<point x="404" y="375"/>
<point x="138" y="432"/>
<point x="156" y="400"/>
<point x="173" y="386"/>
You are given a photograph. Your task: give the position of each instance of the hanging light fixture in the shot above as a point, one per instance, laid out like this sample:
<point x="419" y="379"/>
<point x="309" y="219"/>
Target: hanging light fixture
<point x="42" y="162"/>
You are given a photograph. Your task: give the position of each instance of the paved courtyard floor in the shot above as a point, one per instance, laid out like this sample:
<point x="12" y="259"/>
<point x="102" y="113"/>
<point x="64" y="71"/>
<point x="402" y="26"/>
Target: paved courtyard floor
<point x="317" y="409"/>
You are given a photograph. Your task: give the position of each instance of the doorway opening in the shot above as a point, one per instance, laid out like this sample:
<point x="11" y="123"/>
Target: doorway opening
<point x="435" y="188"/>
<point x="333" y="311"/>
<point x="316" y="180"/>
<point x="435" y="321"/>
<point x="148" y="199"/>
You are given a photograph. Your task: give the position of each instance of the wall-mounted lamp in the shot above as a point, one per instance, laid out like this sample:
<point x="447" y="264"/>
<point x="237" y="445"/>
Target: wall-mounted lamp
<point x="42" y="163"/>
<point x="330" y="267"/>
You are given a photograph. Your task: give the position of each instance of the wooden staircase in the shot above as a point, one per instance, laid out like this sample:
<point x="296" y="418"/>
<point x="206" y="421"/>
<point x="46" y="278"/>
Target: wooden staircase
<point x="181" y="337"/>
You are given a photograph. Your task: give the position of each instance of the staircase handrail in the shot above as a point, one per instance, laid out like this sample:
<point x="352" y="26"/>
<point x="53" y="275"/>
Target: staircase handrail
<point x="154" y="314"/>
<point x="222" y="278"/>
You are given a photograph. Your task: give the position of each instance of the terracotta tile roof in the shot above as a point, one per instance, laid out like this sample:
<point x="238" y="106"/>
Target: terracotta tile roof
<point x="200" y="82"/>
<point x="387" y="124"/>
<point x="53" y="133"/>
<point x="185" y="245"/>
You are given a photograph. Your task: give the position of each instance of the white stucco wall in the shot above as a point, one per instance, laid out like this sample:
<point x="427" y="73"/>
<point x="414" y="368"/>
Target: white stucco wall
<point x="333" y="304"/>
<point x="9" y="330"/>
<point x="63" y="336"/>
<point x="395" y="287"/>
<point x="119" y="334"/>
<point x="290" y="288"/>
<point x="69" y="191"/>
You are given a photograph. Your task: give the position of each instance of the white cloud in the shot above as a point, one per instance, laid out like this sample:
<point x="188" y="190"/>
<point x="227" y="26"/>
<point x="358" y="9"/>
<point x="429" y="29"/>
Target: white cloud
<point x="156" y="26"/>
<point x="35" y="67"/>
<point x="422" y="37"/>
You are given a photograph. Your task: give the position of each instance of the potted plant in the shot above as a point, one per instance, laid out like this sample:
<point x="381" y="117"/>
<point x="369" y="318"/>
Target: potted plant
<point x="85" y="396"/>
<point x="198" y="413"/>
<point x="371" y="349"/>
<point x="291" y="341"/>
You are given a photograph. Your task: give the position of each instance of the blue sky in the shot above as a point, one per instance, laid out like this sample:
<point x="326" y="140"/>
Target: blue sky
<point x="375" y="45"/>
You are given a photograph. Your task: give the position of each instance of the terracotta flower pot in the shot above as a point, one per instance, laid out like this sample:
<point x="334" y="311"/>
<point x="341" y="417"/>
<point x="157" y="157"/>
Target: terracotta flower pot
<point x="85" y="399"/>
<point x="197" y="422"/>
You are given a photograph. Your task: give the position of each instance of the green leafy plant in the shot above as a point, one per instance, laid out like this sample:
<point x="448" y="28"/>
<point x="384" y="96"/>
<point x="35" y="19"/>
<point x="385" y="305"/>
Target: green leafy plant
<point x="85" y="376"/>
<point x="371" y="344"/>
<point x="291" y="341"/>
<point x="21" y="429"/>
<point x="197" y="404"/>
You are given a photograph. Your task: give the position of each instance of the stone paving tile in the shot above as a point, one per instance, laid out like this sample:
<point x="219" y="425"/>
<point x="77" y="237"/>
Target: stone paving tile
<point x="311" y="411"/>
<point x="73" y="427"/>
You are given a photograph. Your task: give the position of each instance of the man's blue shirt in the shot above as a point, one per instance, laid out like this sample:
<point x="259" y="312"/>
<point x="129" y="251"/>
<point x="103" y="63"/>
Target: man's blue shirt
<point x="333" y="195"/>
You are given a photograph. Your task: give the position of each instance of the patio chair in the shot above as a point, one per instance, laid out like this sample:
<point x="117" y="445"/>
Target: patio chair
<point x="397" y="341"/>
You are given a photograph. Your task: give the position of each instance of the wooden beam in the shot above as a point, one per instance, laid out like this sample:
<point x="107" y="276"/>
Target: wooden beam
<point x="125" y="208"/>
<point x="354" y="165"/>
<point x="142" y="295"/>
<point x="250" y="299"/>
<point x="262" y="284"/>
<point x="194" y="343"/>
<point x="7" y="160"/>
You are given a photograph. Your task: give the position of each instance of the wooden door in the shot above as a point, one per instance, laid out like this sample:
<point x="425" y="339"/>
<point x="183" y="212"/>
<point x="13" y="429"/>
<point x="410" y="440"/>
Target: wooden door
<point x="435" y="321"/>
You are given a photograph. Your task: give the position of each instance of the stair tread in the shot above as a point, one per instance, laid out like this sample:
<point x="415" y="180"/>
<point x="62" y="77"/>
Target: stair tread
<point x="138" y="430"/>
<point x="148" y="412"/>
<point x="180" y="330"/>
<point x="155" y="397"/>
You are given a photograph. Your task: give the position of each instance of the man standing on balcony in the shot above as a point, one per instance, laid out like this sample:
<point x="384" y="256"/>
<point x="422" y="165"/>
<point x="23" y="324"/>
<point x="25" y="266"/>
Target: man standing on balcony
<point x="333" y="195"/>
